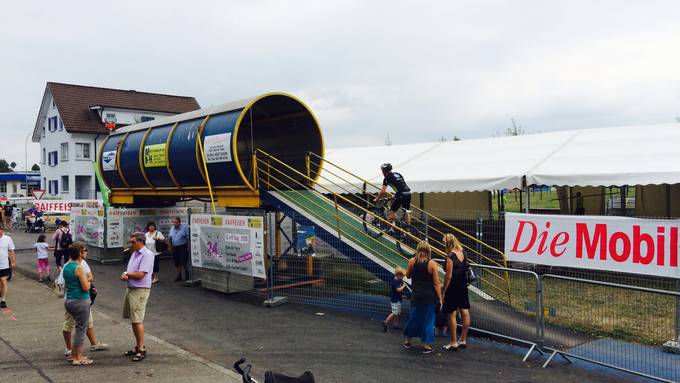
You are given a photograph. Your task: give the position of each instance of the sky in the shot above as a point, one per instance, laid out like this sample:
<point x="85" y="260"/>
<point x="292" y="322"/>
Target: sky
<point x="415" y="71"/>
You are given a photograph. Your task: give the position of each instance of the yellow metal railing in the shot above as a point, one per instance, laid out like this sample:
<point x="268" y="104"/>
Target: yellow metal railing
<point x="266" y="164"/>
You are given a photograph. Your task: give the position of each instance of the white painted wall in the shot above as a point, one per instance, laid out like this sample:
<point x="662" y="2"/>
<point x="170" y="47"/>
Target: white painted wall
<point x="129" y="117"/>
<point x="69" y="166"/>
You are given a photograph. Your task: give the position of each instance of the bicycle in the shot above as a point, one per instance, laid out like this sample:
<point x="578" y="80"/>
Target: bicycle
<point x="376" y="224"/>
<point x="270" y="376"/>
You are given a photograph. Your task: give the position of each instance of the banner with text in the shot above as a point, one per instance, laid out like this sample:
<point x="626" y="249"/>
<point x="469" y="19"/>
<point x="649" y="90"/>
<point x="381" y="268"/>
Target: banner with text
<point x="228" y="243"/>
<point x="629" y="245"/>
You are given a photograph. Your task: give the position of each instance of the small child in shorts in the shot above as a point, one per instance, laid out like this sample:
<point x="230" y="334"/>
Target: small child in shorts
<point x="41" y="249"/>
<point x="397" y="286"/>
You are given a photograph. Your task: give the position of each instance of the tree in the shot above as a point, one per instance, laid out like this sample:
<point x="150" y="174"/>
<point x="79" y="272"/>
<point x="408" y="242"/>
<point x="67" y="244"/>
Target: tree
<point x="13" y="165"/>
<point x="35" y="168"/>
<point x="516" y="130"/>
<point x="4" y="166"/>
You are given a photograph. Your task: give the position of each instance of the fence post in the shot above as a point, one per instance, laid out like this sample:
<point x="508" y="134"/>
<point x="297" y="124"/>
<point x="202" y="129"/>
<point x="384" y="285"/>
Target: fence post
<point x="268" y="235"/>
<point x="540" y="312"/>
<point x="677" y="311"/>
<point x="480" y="238"/>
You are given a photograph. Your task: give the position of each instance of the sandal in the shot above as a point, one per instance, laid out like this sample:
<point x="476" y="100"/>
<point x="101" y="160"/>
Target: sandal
<point x="462" y="344"/>
<point x="451" y="346"/>
<point x="82" y="362"/>
<point x="407" y="345"/>
<point x="132" y="352"/>
<point x="428" y="350"/>
<point x="139" y="356"/>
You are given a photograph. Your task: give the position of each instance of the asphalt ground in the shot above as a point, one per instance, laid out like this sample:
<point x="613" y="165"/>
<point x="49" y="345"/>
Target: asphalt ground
<point x="291" y="338"/>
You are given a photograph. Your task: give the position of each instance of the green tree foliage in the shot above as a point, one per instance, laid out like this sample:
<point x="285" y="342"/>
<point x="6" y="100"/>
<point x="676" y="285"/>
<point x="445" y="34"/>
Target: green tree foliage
<point x="35" y="168"/>
<point x="4" y="166"/>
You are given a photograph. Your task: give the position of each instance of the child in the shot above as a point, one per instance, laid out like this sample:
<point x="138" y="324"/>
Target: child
<point x="41" y="249"/>
<point x="441" y="326"/>
<point x="397" y="286"/>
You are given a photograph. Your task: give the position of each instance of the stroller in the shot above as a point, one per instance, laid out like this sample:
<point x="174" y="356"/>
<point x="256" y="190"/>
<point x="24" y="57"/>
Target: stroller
<point x="35" y="225"/>
<point x="271" y="377"/>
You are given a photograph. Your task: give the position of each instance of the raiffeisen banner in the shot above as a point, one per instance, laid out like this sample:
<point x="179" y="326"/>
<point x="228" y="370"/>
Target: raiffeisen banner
<point x="629" y="245"/>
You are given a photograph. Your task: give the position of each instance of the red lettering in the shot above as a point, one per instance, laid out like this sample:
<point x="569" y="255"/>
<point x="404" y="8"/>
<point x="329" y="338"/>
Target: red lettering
<point x="661" y="249"/>
<point x="556" y="242"/>
<point x="625" y="252"/>
<point x="599" y="240"/>
<point x="674" y="247"/>
<point x="638" y="239"/>
<point x="518" y="237"/>
<point x="544" y="237"/>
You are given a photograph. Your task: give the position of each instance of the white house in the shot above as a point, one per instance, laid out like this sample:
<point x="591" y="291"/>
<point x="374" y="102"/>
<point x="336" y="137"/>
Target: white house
<point x="71" y="127"/>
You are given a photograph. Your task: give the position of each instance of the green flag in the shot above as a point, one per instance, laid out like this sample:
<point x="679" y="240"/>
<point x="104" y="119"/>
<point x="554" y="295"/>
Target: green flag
<point x="102" y="186"/>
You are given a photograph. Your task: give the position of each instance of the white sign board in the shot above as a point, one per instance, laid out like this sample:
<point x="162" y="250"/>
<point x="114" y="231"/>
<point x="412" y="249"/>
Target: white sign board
<point x="629" y="245"/>
<point x="228" y="243"/>
<point x="109" y="161"/>
<point x="217" y="148"/>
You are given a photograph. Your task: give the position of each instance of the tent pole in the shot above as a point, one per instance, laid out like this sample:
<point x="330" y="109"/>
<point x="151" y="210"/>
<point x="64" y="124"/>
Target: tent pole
<point x="526" y="191"/>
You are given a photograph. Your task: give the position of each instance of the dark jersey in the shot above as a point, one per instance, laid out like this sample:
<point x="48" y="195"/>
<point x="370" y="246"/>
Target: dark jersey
<point x="396" y="182"/>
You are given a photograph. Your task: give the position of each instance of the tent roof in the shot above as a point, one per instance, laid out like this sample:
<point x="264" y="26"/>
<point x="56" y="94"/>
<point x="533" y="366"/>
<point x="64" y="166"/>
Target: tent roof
<point x="635" y="155"/>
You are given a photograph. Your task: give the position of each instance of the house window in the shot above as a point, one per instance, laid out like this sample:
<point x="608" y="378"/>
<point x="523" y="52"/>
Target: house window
<point x="44" y="156"/>
<point x="64" y="151"/>
<point x="54" y="187"/>
<point x="3" y="187"/>
<point x="82" y="151"/>
<point x="15" y="189"/>
<point x="52" y="159"/>
<point x="147" y="118"/>
<point x="110" y="117"/>
<point x="64" y="184"/>
<point x="52" y="124"/>
<point x="61" y="124"/>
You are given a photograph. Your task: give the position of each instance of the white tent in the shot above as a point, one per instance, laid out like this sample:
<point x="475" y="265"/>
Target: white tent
<point x="635" y="155"/>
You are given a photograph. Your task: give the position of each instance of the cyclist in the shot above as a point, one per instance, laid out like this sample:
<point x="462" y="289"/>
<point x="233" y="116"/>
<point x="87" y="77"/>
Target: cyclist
<point x="402" y="193"/>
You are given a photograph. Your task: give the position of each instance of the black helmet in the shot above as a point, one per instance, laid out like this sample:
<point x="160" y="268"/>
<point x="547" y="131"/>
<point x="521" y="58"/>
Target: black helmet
<point x="386" y="167"/>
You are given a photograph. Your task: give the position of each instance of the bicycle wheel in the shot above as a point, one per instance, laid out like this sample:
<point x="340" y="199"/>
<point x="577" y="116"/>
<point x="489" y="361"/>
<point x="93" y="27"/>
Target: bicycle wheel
<point x="373" y="225"/>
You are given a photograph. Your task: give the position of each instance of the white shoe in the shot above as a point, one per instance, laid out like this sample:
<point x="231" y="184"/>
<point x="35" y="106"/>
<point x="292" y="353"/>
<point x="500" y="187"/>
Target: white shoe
<point x="67" y="352"/>
<point x="99" y="347"/>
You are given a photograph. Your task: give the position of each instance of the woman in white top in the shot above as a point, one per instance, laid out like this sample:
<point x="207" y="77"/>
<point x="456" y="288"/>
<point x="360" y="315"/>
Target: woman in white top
<point x="151" y="236"/>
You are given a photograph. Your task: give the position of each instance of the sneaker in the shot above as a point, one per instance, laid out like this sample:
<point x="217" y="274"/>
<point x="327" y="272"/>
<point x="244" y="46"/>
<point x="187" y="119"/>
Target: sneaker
<point x="99" y="347"/>
<point x="3" y="305"/>
<point x="428" y="350"/>
<point x="155" y="280"/>
<point x="67" y="352"/>
<point x="40" y="279"/>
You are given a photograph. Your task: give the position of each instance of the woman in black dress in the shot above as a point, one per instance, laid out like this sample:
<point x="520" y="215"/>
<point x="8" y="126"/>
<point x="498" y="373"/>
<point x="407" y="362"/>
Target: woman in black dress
<point x="456" y="291"/>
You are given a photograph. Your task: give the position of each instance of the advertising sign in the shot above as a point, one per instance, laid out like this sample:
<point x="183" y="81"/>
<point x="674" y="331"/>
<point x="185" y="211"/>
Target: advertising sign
<point x="109" y="161"/>
<point x="217" y="148"/>
<point x="629" y="245"/>
<point x="123" y="222"/>
<point x="228" y="243"/>
<point x="154" y="156"/>
<point x="87" y="225"/>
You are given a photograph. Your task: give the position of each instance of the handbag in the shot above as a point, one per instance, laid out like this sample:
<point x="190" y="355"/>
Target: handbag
<point x="161" y="245"/>
<point x="93" y="293"/>
<point x="470" y="275"/>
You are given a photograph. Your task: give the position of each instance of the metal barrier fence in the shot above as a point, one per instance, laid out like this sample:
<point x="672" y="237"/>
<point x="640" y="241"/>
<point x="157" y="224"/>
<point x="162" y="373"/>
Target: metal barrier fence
<point x="614" y="325"/>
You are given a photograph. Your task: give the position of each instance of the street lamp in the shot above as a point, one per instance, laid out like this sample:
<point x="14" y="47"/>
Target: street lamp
<point x="26" y="162"/>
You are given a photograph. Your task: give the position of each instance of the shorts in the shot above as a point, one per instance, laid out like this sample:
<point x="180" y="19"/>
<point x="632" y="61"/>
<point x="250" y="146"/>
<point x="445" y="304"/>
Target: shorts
<point x="59" y="255"/>
<point x="6" y="272"/>
<point x="402" y="199"/>
<point x="396" y="308"/>
<point x="134" y="307"/>
<point x="180" y="255"/>
<point x="156" y="263"/>
<point x="70" y="322"/>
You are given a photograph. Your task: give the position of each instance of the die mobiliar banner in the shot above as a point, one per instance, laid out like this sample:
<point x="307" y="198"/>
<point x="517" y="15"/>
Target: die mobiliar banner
<point x="629" y="245"/>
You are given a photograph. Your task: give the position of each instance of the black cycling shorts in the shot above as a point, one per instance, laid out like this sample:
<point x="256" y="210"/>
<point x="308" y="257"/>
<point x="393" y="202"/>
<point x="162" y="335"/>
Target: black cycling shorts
<point x="402" y="199"/>
<point x="6" y="273"/>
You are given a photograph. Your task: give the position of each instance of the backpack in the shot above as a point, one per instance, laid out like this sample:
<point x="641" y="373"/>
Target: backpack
<point x="65" y="240"/>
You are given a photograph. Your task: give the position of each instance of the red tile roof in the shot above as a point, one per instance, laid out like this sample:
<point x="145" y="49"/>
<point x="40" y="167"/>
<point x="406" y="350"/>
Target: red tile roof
<point x="74" y="102"/>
